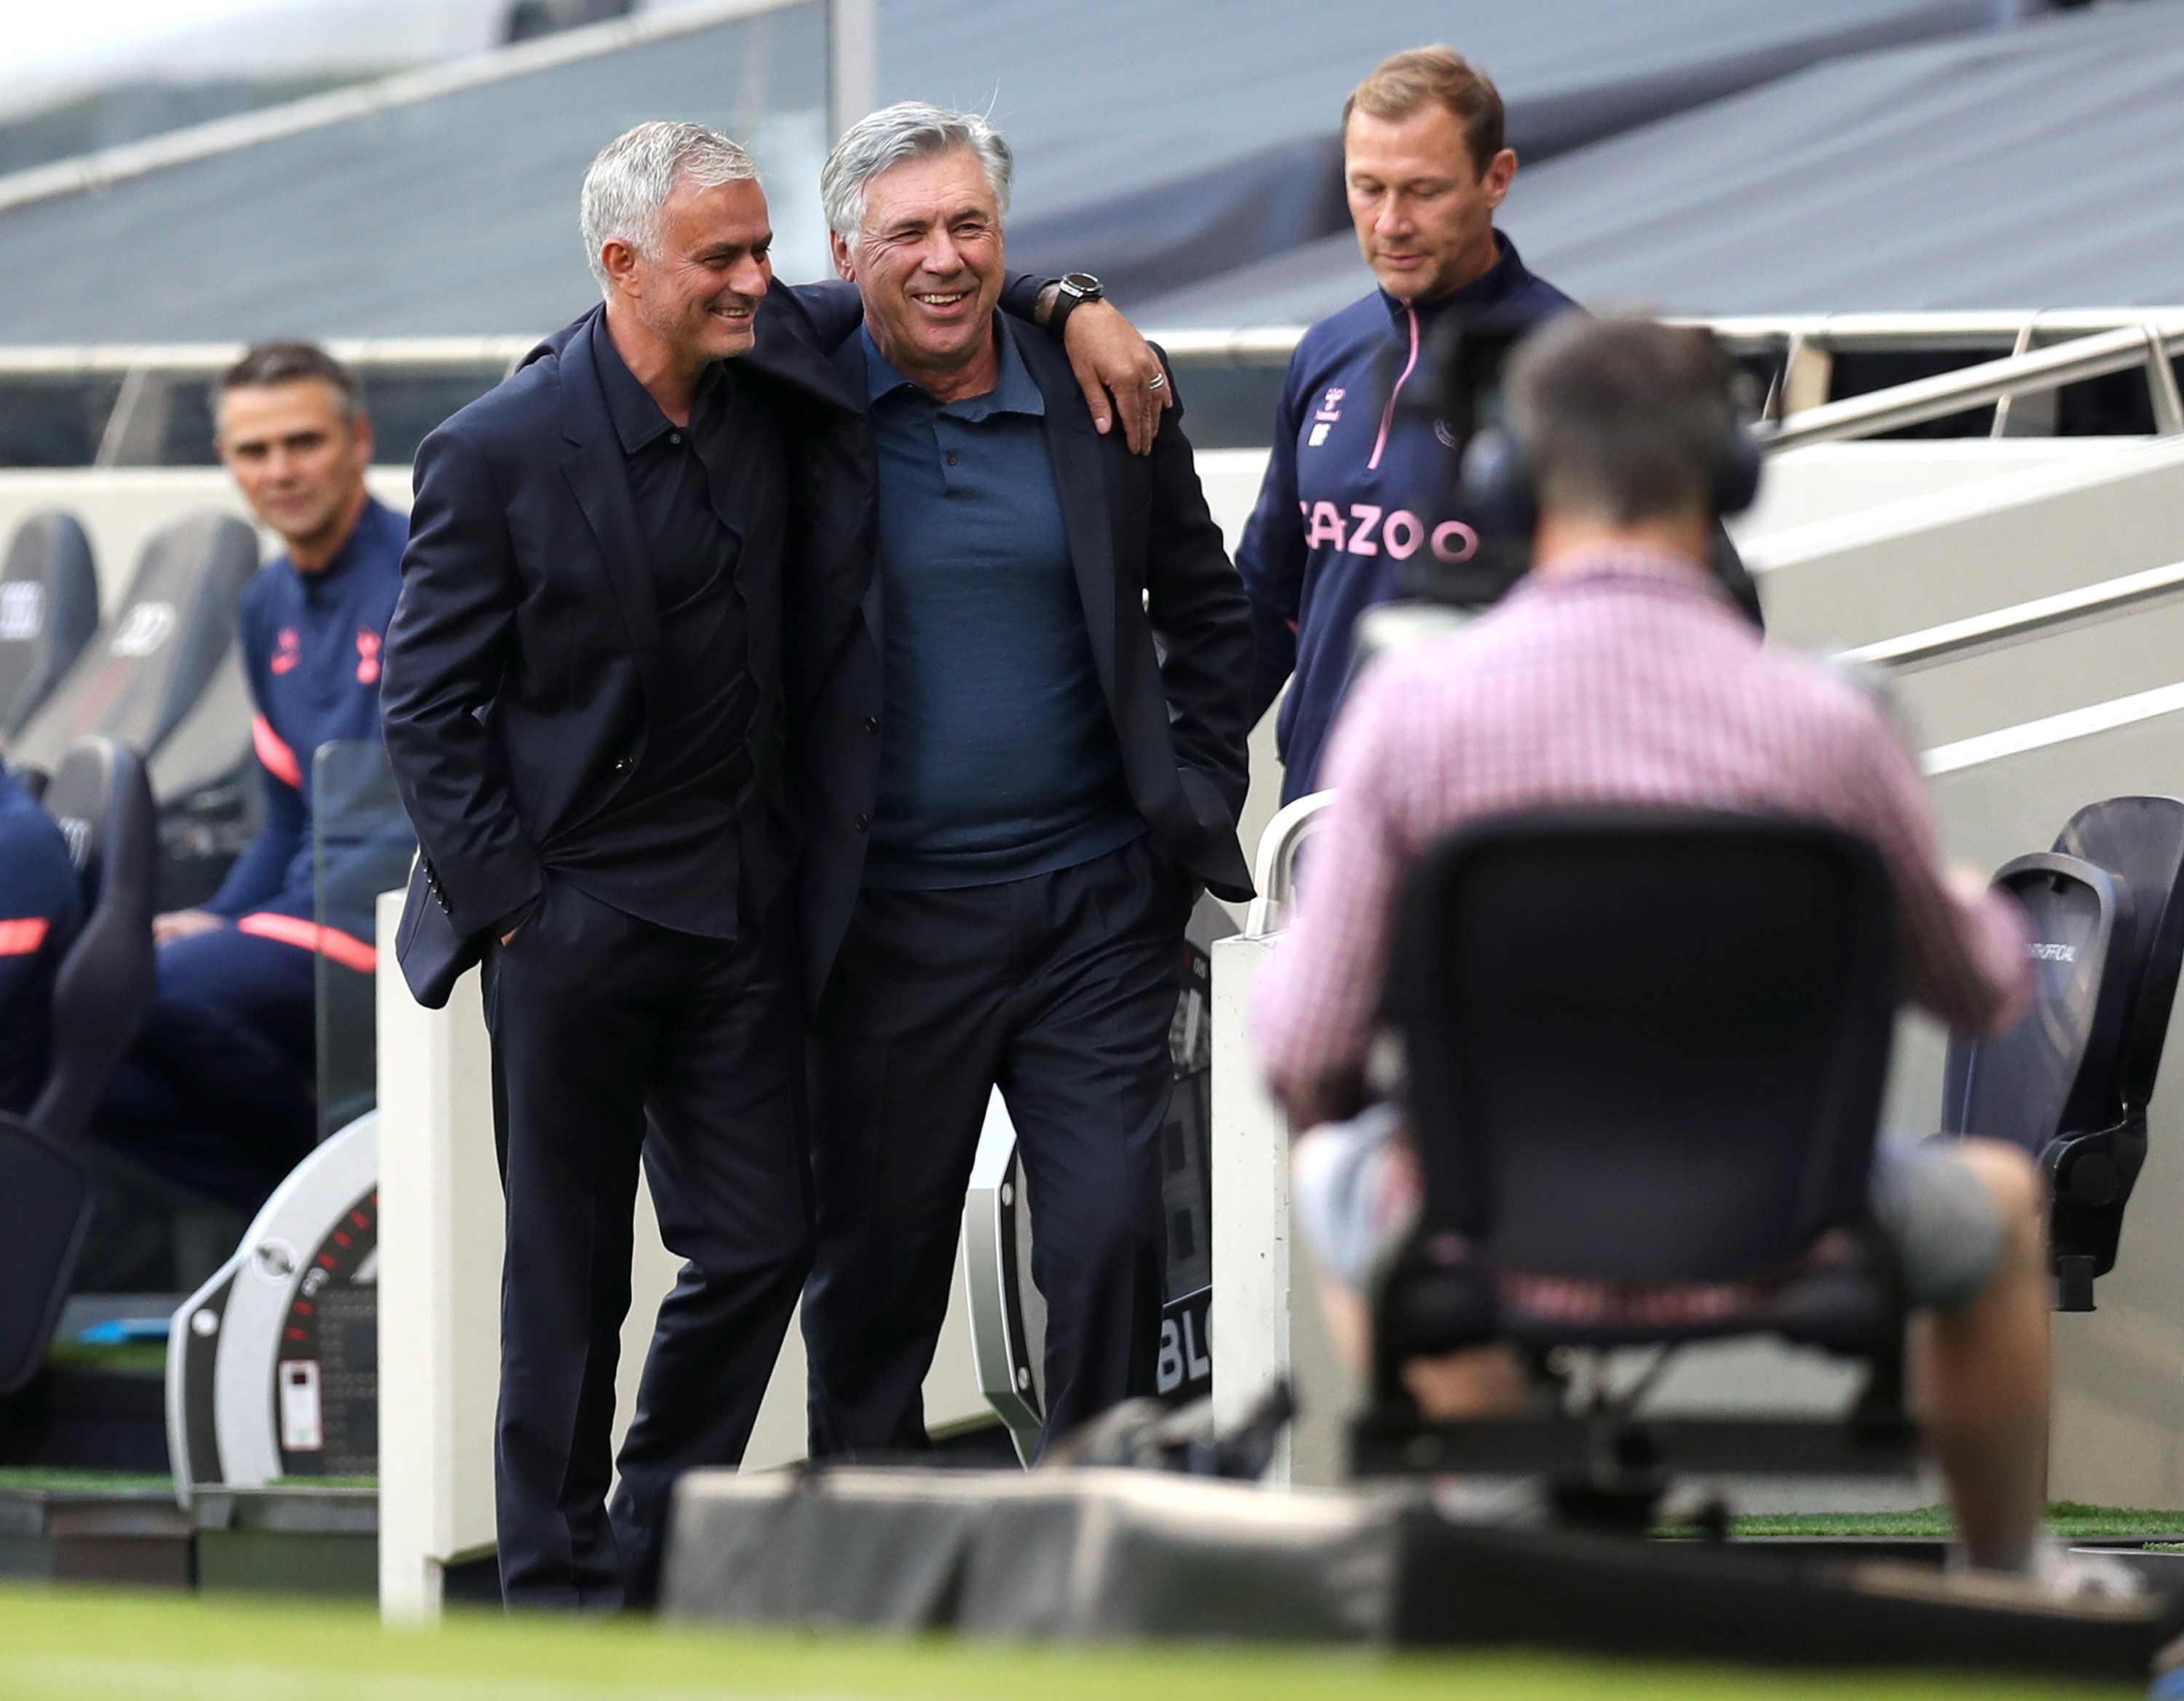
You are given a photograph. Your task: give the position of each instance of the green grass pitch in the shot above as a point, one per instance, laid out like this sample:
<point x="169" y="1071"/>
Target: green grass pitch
<point x="62" y="1645"/>
<point x="2065" y="1518"/>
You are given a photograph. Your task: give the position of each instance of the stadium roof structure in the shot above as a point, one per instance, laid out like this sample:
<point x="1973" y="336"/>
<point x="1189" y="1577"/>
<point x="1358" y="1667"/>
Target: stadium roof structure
<point x="2043" y="168"/>
<point x="1157" y="143"/>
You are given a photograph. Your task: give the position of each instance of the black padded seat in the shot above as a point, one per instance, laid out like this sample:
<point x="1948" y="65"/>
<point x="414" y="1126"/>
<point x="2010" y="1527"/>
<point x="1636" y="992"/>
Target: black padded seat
<point x="150" y="663"/>
<point x="1646" y="1051"/>
<point x="101" y="991"/>
<point x="48" y="610"/>
<point x="2070" y="1083"/>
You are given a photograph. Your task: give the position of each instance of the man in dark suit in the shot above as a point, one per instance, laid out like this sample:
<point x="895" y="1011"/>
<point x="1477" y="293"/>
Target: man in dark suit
<point x="1055" y="658"/>
<point x="630" y="569"/>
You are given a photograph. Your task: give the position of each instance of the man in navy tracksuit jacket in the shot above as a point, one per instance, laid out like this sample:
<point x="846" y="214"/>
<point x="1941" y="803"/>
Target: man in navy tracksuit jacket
<point x="1354" y="487"/>
<point x="218" y="1092"/>
<point x="41" y="910"/>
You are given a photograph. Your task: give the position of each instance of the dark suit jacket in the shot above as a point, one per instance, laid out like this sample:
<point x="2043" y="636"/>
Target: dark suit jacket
<point x="1171" y="637"/>
<point x="525" y="646"/>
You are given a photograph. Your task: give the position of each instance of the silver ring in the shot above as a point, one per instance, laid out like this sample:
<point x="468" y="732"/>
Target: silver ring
<point x="1157" y="381"/>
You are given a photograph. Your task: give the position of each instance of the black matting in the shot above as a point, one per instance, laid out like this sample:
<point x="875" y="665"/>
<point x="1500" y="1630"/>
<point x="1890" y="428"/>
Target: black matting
<point x="1068" y="1554"/>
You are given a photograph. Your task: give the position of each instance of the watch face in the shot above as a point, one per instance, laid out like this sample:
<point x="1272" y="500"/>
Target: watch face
<point x="1084" y="285"/>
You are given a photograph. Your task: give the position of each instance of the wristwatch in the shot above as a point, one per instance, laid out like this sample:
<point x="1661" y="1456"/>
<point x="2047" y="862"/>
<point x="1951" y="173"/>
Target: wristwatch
<point x="1072" y="290"/>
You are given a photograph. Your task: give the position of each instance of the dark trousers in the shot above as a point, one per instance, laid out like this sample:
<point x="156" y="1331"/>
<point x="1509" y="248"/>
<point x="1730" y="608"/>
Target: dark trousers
<point x="217" y="1092"/>
<point x="614" y="1038"/>
<point x="1060" y="989"/>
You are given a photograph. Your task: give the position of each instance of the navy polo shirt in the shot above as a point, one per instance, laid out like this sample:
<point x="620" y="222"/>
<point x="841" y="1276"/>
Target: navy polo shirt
<point x="998" y="756"/>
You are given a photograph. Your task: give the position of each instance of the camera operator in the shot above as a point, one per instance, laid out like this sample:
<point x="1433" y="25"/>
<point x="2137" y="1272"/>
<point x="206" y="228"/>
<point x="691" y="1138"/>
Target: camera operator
<point x="1620" y="672"/>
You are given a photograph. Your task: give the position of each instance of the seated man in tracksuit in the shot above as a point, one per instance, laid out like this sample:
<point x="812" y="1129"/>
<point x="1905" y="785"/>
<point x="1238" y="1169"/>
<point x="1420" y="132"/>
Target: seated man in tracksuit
<point x="41" y="909"/>
<point x="217" y="1093"/>
<point x="1358" y="468"/>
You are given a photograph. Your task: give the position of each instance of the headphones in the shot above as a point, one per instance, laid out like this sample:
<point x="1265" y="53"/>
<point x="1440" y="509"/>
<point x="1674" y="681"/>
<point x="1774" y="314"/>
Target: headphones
<point x="1495" y="482"/>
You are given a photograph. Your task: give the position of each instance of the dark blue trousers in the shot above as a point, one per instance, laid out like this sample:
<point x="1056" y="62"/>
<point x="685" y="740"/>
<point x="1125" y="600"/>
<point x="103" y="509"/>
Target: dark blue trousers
<point x="614" y="1039"/>
<point x="1061" y="990"/>
<point x="218" y="1092"/>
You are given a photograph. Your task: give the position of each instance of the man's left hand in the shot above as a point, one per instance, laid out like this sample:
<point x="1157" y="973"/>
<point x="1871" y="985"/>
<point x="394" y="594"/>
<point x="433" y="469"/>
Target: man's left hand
<point x="184" y="924"/>
<point x="1107" y="354"/>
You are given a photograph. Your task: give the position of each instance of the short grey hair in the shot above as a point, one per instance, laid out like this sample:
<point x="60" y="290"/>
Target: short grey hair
<point x="1623" y="418"/>
<point x="908" y="130"/>
<point x="626" y="189"/>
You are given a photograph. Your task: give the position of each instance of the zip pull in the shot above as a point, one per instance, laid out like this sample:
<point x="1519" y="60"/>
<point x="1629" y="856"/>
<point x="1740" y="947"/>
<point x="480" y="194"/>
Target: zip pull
<point x="1388" y="416"/>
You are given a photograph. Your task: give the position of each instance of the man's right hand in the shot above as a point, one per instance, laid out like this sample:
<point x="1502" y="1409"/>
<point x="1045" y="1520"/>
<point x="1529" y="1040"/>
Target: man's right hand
<point x="184" y="924"/>
<point x="518" y="920"/>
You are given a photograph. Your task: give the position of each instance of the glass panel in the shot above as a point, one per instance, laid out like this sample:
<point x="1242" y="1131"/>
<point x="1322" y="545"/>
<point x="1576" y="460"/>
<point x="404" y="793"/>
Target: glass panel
<point x="186" y="439"/>
<point x="361" y="845"/>
<point x="1231" y="406"/>
<point x="167" y="421"/>
<point x="408" y="402"/>
<point x="54" y="420"/>
<point x="1860" y="371"/>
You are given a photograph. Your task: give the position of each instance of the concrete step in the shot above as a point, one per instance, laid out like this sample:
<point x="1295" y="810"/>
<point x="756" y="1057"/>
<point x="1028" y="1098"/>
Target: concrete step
<point x="1978" y="546"/>
<point x="2132" y="650"/>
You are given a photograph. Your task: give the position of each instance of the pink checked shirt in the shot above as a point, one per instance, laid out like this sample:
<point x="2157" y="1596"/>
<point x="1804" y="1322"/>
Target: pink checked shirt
<point x="1633" y="680"/>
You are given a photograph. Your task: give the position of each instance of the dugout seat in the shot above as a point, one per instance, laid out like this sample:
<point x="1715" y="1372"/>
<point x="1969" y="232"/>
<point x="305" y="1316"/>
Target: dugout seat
<point x="48" y="610"/>
<point x="104" y="986"/>
<point x="163" y="675"/>
<point x="2071" y="1082"/>
<point x="147" y="665"/>
<point x="1646" y="1051"/>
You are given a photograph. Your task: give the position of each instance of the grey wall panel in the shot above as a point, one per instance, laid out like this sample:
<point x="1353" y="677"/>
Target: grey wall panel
<point x="2042" y="167"/>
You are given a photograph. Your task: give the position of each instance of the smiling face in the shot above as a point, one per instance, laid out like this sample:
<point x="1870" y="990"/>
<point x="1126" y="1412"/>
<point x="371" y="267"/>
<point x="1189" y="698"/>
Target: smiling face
<point x="298" y="459"/>
<point x="928" y="262"/>
<point x="698" y="294"/>
<point x="1424" y="213"/>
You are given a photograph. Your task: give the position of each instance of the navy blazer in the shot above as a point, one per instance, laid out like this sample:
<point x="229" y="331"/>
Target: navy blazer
<point x="525" y="645"/>
<point x="1171" y="630"/>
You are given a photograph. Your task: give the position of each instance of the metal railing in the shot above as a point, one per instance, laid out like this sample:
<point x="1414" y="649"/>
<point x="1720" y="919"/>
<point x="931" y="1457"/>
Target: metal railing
<point x="1954" y="640"/>
<point x="2032" y="372"/>
<point x="151" y="404"/>
<point x="123" y="395"/>
<point x="1275" y="872"/>
<point x="1275" y="878"/>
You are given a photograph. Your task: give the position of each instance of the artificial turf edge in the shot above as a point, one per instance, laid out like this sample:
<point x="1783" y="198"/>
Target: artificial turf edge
<point x="59" y="1642"/>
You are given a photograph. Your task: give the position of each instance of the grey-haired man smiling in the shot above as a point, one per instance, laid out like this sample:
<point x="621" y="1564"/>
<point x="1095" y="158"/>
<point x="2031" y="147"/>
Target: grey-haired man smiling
<point x="610" y="702"/>
<point x="1055" y="660"/>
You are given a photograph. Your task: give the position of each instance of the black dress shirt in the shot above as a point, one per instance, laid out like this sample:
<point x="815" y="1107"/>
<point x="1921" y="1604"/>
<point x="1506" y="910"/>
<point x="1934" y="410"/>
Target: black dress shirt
<point x="712" y="505"/>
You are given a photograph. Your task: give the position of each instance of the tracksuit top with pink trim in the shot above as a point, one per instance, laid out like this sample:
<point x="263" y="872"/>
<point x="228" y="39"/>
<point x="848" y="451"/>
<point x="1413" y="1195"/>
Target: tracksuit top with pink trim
<point x="311" y="647"/>
<point x="1351" y="492"/>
